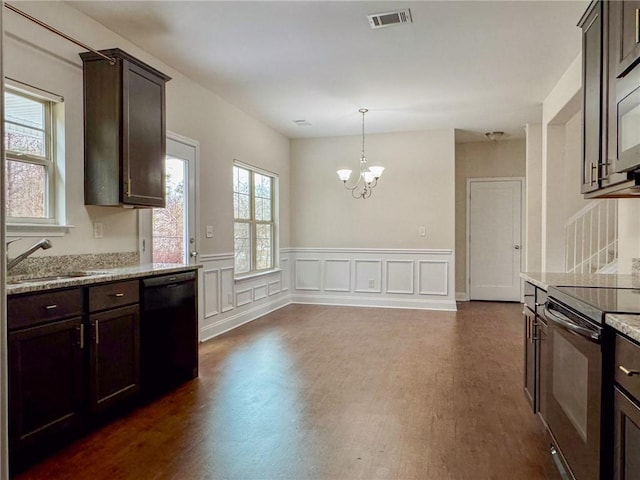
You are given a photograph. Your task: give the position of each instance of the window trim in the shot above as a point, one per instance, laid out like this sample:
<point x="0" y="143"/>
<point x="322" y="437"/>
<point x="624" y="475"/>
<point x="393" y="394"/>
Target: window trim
<point x="53" y="215"/>
<point x="274" y="177"/>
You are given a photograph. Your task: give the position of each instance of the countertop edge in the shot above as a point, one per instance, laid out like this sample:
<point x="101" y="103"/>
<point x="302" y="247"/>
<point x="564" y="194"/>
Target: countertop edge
<point x="102" y="275"/>
<point x="534" y="281"/>
<point x="626" y="324"/>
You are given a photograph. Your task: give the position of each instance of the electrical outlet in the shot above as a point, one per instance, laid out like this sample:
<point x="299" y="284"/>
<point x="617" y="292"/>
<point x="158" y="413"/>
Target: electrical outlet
<point x="98" y="230"/>
<point x="422" y="231"/>
<point x="209" y="231"/>
<point x="372" y="283"/>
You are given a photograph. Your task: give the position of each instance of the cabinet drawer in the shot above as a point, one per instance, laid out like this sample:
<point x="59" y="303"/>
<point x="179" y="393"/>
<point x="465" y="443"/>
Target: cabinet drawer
<point x="29" y="310"/>
<point x="628" y="357"/>
<point x="113" y="295"/>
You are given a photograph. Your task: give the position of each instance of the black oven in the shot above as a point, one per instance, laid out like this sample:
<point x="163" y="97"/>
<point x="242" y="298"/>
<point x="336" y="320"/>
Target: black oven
<point x="574" y="392"/>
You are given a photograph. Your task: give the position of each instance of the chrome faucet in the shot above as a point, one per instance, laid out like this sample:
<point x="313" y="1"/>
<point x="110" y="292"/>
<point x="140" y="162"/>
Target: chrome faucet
<point x="44" y="244"/>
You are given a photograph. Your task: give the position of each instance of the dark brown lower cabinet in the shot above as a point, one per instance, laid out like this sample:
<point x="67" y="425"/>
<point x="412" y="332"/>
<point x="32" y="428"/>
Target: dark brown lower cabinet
<point x="530" y="358"/>
<point x="46" y="383"/>
<point x="626" y="462"/>
<point x="115" y="356"/>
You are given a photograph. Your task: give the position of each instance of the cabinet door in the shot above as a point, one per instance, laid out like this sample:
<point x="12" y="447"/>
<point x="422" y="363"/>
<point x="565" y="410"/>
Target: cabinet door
<point x="610" y="89"/>
<point x="46" y="382"/>
<point x="115" y="356"/>
<point x="144" y="141"/>
<point x="626" y="463"/>
<point x="628" y="38"/>
<point x="591" y="98"/>
<point x="530" y="358"/>
<point x="542" y="366"/>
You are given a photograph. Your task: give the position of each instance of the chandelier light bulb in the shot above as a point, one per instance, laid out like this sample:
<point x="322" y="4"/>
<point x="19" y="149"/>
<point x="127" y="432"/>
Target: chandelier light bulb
<point x="377" y="171"/>
<point x="344" y="174"/>
<point x="368" y="177"/>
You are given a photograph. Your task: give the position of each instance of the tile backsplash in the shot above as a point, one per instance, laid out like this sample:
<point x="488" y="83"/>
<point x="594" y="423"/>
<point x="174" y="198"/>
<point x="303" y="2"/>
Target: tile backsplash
<point x="51" y="265"/>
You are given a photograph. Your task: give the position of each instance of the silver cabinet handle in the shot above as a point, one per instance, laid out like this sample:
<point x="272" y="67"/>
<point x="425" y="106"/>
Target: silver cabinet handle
<point x="81" y="336"/>
<point x="97" y="333"/>
<point x="50" y="307"/>
<point x="118" y="295"/>
<point x="627" y="372"/>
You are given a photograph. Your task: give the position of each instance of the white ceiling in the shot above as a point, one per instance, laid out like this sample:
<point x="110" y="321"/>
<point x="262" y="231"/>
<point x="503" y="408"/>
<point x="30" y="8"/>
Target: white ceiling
<point x="477" y="66"/>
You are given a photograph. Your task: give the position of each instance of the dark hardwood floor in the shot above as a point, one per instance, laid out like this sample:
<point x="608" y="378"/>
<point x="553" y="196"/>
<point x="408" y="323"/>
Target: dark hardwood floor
<point x="311" y="392"/>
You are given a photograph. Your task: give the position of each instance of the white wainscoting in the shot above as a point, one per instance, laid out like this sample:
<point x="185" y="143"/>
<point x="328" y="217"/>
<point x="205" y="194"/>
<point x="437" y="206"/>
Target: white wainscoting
<point x="229" y="303"/>
<point x="393" y="278"/>
<point x="411" y="278"/>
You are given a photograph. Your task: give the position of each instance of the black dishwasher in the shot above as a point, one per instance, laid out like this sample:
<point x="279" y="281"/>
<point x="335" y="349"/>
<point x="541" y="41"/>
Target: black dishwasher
<point x="168" y="332"/>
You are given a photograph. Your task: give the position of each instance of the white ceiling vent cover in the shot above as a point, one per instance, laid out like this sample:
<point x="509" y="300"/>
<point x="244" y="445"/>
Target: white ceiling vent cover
<point x="379" y="20"/>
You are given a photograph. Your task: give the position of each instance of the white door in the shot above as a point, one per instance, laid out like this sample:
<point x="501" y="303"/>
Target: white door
<point x="494" y="236"/>
<point x="169" y="235"/>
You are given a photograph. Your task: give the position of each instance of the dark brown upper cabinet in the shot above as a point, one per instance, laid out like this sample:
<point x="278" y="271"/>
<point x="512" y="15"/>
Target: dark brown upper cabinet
<point x="124" y="131"/>
<point x="600" y="88"/>
<point x="592" y="94"/>
<point x="628" y="23"/>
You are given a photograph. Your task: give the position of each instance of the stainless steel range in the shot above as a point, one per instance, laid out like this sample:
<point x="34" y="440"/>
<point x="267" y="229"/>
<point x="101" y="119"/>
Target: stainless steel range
<point x="576" y="402"/>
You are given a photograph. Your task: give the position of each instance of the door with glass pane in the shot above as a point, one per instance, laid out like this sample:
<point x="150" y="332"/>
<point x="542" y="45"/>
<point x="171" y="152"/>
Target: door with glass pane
<point x="173" y="232"/>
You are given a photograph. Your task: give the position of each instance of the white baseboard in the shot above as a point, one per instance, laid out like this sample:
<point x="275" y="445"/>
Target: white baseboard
<point x="379" y="302"/>
<point x="462" y="297"/>
<point x="234" y="321"/>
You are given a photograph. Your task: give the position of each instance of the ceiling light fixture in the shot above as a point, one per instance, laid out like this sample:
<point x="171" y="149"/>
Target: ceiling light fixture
<point x="368" y="177"/>
<point x="494" y="135"/>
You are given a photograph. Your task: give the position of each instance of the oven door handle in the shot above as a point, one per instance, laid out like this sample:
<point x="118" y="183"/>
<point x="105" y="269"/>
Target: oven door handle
<point x="566" y="323"/>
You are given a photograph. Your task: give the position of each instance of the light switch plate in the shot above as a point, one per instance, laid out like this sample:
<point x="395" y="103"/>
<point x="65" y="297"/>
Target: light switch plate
<point x="209" y="231"/>
<point x="422" y="231"/>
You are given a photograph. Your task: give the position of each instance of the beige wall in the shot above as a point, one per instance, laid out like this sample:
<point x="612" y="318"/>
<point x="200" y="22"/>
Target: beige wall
<point x="416" y="190"/>
<point x="505" y="158"/>
<point x="533" y="196"/>
<point x="224" y="132"/>
<point x="561" y="165"/>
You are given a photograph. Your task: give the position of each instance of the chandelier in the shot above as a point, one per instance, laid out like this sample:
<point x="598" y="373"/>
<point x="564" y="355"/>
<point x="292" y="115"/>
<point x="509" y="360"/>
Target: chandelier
<point x="368" y="177"/>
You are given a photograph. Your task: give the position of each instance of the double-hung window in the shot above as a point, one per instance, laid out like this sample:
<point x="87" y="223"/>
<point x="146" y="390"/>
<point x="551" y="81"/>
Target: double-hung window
<point x="254" y="193"/>
<point x="30" y="166"/>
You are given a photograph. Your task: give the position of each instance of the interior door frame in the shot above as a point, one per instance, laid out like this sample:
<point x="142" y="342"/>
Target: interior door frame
<point x="4" y="408"/>
<point x="144" y="216"/>
<point x="468" y="220"/>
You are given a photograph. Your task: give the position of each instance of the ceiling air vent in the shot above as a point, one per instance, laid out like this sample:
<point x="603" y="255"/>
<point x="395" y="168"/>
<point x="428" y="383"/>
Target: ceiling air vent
<point x="379" y="20"/>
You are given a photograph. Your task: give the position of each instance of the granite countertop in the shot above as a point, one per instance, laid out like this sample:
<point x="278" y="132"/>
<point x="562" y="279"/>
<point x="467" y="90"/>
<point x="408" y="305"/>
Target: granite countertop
<point x="545" y="280"/>
<point x="627" y="324"/>
<point x="89" y="277"/>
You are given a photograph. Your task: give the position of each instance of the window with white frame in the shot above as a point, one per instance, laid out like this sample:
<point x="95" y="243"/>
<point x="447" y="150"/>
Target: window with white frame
<point x="30" y="166"/>
<point x="254" y="231"/>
